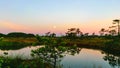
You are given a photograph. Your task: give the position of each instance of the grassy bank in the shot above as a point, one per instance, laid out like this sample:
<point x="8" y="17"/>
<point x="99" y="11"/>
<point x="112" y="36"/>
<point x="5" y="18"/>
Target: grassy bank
<point x="16" y="43"/>
<point x="109" y="44"/>
<point x="106" y="43"/>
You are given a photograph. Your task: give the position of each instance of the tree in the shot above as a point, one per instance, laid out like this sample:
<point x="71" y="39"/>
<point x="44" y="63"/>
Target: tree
<point x="2" y="35"/>
<point x="30" y="35"/>
<point x="47" y="34"/>
<point x="73" y="32"/>
<point x="102" y="31"/>
<point x="116" y="21"/>
<point x="53" y="50"/>
<point x="52" y="35"/>
<point x="112" y="32"/>
<point x="86" y="34"/>
<point x="19" y="34"/>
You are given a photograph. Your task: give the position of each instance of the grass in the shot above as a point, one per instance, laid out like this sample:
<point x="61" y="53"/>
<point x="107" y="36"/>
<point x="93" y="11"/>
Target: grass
<point x="20" y="39"/>
<point x="109" y="44"/>
<point x="105" y="43"/>
<point x="12" y="45"/>
<point x="16" y="43"/>
<point x="8" y="62"/>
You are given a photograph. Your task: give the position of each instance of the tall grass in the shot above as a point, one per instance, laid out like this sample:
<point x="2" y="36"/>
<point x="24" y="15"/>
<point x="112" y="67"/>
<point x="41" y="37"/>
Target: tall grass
<point x="17" y="62"/>
<point x="12" y="45"/>
<point x="16" y="43"/>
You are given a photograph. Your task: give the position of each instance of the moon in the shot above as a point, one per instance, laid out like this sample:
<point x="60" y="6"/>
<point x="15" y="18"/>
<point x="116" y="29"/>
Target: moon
<point x="54" y="27"/>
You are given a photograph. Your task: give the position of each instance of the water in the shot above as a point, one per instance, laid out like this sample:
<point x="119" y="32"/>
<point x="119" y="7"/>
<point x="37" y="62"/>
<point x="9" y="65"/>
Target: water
<point x="87" y="58"/>
<point x="24" y="53"/>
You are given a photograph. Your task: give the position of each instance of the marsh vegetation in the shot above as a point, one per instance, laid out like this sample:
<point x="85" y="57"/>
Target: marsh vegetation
<point x="53" y="50"/>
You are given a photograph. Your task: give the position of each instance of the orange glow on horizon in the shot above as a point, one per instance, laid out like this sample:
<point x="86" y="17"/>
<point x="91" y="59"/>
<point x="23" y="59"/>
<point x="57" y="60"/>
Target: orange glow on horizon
<point x="86" y="27"/>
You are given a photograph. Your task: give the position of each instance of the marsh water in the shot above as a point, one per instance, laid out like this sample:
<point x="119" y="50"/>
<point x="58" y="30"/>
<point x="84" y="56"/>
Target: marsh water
<point x="87" y="58"/>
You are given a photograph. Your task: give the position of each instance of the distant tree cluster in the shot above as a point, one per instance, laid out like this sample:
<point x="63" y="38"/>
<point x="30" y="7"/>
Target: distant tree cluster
<point x="112" y="30"/>
<point x="74" y="32"/>
<point x="49" y="34"/>
<point x="17" y="34"/>
<point x="2" y="35"/>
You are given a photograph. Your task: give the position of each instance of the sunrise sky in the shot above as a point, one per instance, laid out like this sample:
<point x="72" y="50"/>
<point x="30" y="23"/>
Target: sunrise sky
<point x="41" y="16"/>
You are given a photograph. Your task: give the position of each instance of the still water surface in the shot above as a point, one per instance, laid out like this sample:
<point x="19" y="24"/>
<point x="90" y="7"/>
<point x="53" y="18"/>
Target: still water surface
<point x="87" y="58"/>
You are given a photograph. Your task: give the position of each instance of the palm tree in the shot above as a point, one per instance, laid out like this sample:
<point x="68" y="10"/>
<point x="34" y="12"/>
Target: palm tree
<point x="118" y="22"/>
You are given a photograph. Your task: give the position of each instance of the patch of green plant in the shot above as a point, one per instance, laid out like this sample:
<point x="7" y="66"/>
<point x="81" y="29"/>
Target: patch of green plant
<point x="8" y="62"/>
<point x="12" y="45"/>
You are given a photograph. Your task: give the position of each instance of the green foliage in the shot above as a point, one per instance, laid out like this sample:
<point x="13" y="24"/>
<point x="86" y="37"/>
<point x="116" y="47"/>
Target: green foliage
<point x="2" y="35"/>
<point x="113" y="46"/>
<point x="7" y="62"/>
<point x="53" y="50"/>
<point x="16" y="43"/>
<point x="12" y="45"/>
<point x="73" y="33"/>
<point x="1" y="38"/>
<point x="19" y="34"/>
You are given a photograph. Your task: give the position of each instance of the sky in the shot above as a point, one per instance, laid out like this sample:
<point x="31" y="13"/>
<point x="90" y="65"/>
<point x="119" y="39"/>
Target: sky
<point x="41" y="16"/>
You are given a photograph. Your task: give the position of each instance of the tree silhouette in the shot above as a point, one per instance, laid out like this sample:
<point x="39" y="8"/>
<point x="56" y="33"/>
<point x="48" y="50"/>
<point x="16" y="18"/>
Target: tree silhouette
<point x="73" y="32"/>
<point x="2" y="35"/>
<point x="19" y="34"/>
<point x="47" y="34"/>
<point x="116" y="21"/>
<point x="112" y="32"/>
<point x="54" y="50"/>
<point x="112" y="60"/>
<point x="86" y="34"/>
<point x="102" y="31"/>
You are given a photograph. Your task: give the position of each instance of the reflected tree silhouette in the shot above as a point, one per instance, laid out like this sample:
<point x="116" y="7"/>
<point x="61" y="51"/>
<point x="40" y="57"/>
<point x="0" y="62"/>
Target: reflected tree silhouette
<point x="117" y="21"/>
<point x="114" y="61"/>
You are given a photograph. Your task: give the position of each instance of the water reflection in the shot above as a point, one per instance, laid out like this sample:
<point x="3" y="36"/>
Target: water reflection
<point x="23" y="53"/>
<point x="114" y="61"/>
<point x="85" y="58"/>
<point x="54" y="54"/>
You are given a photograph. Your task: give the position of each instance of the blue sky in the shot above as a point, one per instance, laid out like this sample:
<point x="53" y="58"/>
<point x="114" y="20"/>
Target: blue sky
<point x="43" y="15"/>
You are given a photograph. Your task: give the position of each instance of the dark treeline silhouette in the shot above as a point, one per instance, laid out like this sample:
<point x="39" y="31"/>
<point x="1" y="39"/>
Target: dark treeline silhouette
<point x="113" y="60"/>
<point x="17" y="34"/>
<point x="2" y="35"/>
<point x="113" y="30"/>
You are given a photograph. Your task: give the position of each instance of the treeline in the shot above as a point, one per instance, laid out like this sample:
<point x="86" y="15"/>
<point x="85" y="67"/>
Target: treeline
<point x="17" y="34"/>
